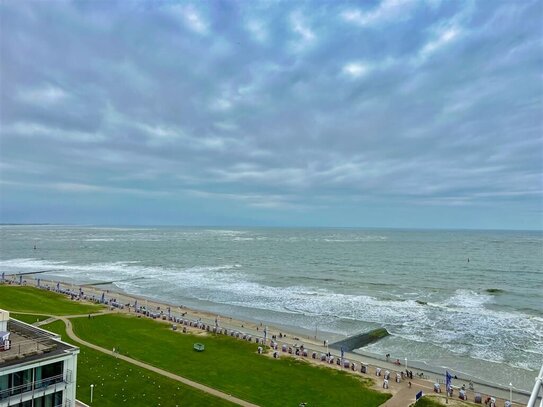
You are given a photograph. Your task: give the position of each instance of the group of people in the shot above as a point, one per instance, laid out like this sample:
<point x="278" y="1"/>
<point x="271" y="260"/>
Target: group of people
<point x="396" y="362"/>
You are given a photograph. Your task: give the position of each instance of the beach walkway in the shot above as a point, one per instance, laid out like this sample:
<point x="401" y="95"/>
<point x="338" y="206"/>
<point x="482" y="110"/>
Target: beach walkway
<point x="403" y="398"/>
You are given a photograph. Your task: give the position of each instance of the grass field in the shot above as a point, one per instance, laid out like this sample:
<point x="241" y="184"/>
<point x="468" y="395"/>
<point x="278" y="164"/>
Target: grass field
<point x="30" y="299"/>
<point x="28" y="318"/>
<point x="427" y="402"/>
<point x="119" y="383"/>
<point x="431" y="401"/>
<point x="230" y="365"/>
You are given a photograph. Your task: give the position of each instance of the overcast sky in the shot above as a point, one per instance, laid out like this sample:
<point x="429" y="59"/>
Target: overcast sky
<point x="392" y="113"/>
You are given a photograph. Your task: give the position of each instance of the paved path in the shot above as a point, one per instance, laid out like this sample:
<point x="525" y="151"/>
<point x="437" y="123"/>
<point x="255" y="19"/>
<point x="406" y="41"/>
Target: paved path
<point x="53" y="318"/>
<point x="45" y="321"/>
<point x="206" y="389"/>
<point x="402" y="398"/>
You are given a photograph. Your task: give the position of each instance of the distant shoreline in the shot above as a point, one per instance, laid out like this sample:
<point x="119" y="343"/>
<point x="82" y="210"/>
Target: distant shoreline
<point x="26" y="224"/>
<point x="284" y="227"/>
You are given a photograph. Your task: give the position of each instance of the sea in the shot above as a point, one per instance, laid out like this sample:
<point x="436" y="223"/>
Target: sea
<point x="463" y="300"/>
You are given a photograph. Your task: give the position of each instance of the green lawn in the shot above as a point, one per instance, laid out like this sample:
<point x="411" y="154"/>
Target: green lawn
<point x="427" y="402"/>
<point x="230" y="365"/>
<point x="30" y="299"/>
<point x="433" y="401"/>
<point x="28" y="318"/>
<point x="119" y="383"/>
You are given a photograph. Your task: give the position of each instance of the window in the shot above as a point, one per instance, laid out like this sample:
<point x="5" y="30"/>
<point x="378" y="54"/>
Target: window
<point x="49" y="374"/>
<point x="4" y="386"/>
<point x="52" y="370"/>
<point x="24" y="404"/>
<point x="20" y="382"/>
<point x="50" y="400"/>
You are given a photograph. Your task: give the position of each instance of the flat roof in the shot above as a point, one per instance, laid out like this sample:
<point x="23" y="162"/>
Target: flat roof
<point x="29" y="344"/>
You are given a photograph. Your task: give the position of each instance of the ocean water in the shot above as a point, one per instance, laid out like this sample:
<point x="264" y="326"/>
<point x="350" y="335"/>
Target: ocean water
<point x="482" y="317"/>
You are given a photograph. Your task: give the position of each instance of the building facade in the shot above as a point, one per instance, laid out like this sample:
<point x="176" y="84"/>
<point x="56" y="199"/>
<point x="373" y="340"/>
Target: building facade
<point x="37" y="369"/>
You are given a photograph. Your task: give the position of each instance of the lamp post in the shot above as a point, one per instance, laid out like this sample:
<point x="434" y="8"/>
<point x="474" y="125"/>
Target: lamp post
<point x="92" y="391"/>
<point x="405" y="363"/>
<point x="511" y="393"/>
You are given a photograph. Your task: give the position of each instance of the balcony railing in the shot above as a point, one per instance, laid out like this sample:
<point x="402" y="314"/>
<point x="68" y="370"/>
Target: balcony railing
<point x="37" y="385"/>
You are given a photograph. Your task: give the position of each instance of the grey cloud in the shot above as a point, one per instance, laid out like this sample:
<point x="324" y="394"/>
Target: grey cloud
<point x="294" y="104"/>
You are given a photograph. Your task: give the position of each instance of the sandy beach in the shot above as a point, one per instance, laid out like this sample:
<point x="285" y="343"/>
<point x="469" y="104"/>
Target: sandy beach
<point x="422" y="379"/>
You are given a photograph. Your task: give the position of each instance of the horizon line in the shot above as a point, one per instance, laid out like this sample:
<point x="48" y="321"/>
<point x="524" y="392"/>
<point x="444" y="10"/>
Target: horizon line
<point x="106" y="225"/>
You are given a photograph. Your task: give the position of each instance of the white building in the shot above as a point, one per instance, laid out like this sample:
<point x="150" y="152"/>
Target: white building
<point x="37" y="369"/>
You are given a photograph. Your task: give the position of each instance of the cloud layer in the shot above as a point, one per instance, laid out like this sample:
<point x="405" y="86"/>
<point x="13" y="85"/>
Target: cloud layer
<point x="392" y="113"/>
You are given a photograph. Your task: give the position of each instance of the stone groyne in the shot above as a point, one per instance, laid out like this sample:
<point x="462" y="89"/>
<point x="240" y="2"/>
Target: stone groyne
<point x="360" y="340"/>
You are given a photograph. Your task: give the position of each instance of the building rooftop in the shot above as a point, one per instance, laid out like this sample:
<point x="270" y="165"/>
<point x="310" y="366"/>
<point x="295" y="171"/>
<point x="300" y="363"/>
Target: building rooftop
<point x="29" y="343"/>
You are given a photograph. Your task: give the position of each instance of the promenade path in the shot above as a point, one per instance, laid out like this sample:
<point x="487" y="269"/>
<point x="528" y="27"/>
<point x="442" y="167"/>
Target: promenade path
<point x="403" y="398"/>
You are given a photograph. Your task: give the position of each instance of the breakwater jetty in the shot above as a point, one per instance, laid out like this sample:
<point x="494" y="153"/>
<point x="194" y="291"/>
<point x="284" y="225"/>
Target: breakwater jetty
<point x="360" y="340"/>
